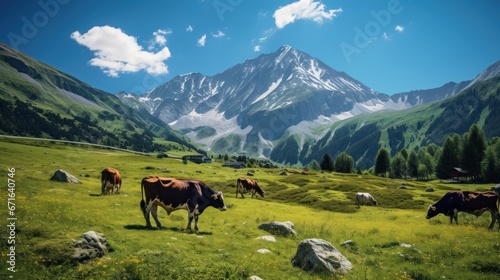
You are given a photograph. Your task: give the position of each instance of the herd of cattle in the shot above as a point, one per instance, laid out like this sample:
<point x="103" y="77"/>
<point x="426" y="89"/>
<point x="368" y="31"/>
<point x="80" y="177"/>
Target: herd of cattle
<point x="195" y="196"/>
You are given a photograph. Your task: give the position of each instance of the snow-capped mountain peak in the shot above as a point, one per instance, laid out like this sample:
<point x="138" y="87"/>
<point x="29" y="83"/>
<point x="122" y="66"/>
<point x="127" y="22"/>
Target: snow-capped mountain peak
<point x="261" y="97"/>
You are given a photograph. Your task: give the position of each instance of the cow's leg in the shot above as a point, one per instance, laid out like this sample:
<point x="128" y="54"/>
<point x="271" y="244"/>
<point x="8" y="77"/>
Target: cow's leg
<point x="497" y="215"/>
<point x="494" y="218"/>
<point x="154" y="213"/>
<point x="118" y="188"/>
<point x="454" y="216"/>
<point x="253" y="193"/>
<point x="190" y="219"/>
<point x="196" y="223"/>
<point x="104" y="187"/>
<point x="145" y="212"/>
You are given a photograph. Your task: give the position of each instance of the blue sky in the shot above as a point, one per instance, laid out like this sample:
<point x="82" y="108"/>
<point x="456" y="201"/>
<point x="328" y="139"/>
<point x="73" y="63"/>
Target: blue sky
<point x="389" y="45"/>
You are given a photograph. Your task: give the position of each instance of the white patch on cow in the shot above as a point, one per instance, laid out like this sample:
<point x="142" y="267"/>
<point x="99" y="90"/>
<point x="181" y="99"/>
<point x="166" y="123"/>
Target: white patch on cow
<point x="150" y="205"/>
<point x="168" y="208"/>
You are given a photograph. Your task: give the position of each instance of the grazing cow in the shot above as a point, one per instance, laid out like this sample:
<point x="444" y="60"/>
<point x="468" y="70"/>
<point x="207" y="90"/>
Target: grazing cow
<point x="365" y="199"/>
<point x="110" y="179"/>
<point x="475" y="203"/>
<point x="245" y="185"/>
<point x="174" y="194"/>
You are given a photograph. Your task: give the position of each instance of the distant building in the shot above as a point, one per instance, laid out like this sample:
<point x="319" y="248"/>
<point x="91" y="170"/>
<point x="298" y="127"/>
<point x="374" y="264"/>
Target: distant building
<point x="197" y="158"/>
<point x="459" y="174"/>
<point x="235" y="164"/>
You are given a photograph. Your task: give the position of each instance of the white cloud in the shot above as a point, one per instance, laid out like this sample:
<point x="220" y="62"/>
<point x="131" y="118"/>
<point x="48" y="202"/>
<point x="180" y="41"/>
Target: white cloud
<point x="399" y="28"/>
<point x="202" y="40"/>
<point x="219" y="34"/>
<point x="116" y="52"/>
<point x="189" y="28"/>
<point x="256" y="48"/>
<point x="386" y="37"/>
<point x="266" y="34"/>
<point x="303" y="9"/>
<point x="159" y="38"/>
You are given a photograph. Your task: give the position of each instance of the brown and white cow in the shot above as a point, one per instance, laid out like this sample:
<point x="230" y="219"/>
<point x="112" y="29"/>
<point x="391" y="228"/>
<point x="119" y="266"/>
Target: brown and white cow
<point x="364" y="198"/>
<point x="471" y="202"/>
<point x="110" y="180"/>
<point x="245" y="185"/>
<point x="175" y="194"/>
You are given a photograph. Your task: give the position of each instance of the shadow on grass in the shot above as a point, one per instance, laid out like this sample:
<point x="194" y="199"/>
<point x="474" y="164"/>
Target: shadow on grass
<point x="142" y="227"/>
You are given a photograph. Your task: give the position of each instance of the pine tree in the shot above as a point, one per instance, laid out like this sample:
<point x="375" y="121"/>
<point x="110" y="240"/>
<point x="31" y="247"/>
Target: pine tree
<point x="473" y="152"/>
<point x="398" y="166"/>
<point x="491" y="163"/>
<point x="382" y="162"/>
<point x="327" y="163"/>
<point x="344" y="163"/>
<point x="314" y="165"/>
<point x="413" y="163"/>
<point x="448" y="160"/>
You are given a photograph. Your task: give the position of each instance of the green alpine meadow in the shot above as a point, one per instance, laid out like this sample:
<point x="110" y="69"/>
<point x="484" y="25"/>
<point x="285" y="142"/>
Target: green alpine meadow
<point x="249" y="140"/>
<point x="393" y="240"/>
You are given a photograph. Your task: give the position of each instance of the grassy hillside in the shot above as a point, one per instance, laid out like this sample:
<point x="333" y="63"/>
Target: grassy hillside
<point x="63" y="107"/>
<point x="51" y="215"/>
<point x="362" y="136"/>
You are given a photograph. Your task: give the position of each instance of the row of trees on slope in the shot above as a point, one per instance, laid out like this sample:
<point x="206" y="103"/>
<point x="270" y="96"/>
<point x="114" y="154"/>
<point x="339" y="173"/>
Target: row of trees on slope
<point x="470" y="155"/>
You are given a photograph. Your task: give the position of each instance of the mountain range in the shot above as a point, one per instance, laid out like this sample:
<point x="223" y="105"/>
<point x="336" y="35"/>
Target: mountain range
<point x="290" y="107"/>
<point x="286" y="106"/>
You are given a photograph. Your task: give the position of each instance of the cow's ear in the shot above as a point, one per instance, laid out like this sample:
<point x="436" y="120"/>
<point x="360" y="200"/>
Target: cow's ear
<point x="215" y="196"/>
<point x="433" y="208"/>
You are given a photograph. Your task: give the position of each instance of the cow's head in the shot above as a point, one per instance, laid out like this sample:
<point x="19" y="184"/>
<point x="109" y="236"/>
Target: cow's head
<point x="260" y="191"/>
<point x="218" y="201"/>
<point x="431" y="212"/>
<point x="375" y="202"/>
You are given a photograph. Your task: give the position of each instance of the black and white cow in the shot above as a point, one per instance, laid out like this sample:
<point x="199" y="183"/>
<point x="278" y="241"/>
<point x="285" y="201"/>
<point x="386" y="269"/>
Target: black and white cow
<point x="471" y="202"/>
<point x="175" y="194"/>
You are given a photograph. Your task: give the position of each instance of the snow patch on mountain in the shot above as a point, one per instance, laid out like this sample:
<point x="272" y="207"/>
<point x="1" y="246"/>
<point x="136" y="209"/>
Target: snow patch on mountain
<point x="264" y="144"/>
<point x="268" y="91"/>
<point x="214" y="119"/>
<point x="311" y="128"/>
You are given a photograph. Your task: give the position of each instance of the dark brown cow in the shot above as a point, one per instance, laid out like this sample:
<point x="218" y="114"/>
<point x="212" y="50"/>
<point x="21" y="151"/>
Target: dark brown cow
<point x="475" y="203"/>
<point x="245" y="185"/>
<point x="174" y="194"/>
<point x="110" y="179"/>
